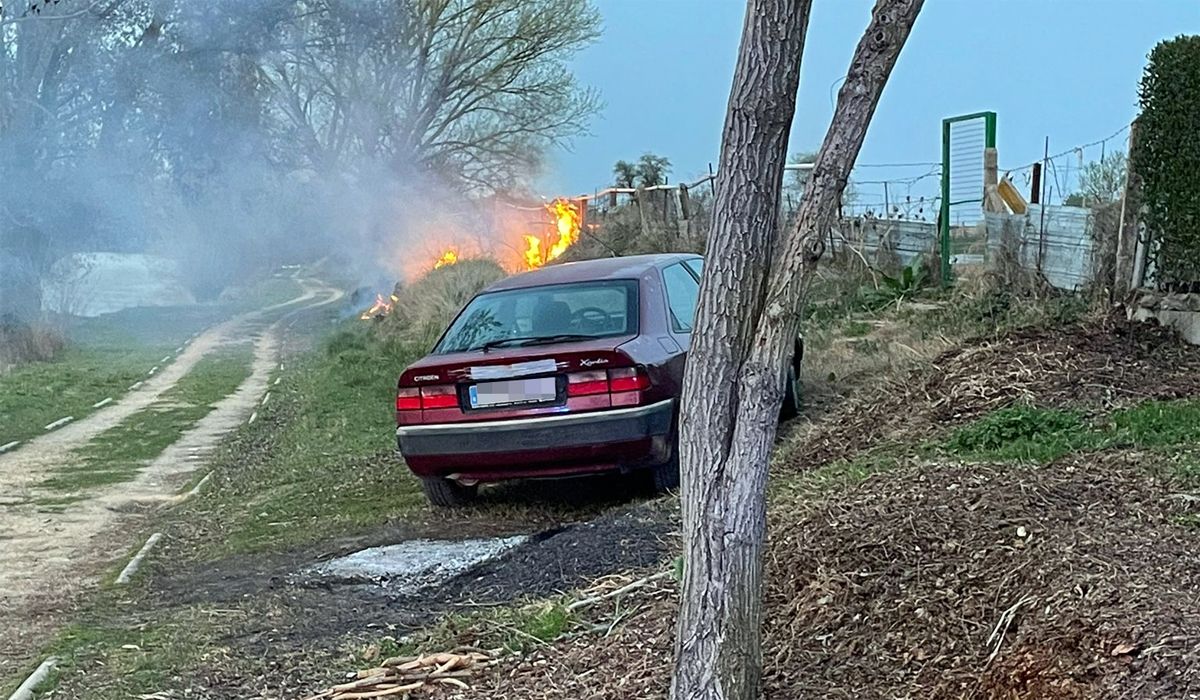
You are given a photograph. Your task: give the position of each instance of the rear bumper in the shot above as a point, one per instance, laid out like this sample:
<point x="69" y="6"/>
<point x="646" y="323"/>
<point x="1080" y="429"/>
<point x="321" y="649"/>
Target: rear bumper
<point x="540" y="446"/>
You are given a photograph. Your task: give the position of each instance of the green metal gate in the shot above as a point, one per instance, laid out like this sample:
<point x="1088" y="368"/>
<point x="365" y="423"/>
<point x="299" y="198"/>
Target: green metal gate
<point x="965" y="141"/>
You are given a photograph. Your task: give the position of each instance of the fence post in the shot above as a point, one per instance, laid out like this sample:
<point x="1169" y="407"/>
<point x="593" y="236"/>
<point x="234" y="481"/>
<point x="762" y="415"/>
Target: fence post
<point x="1125" y="278"/>
<point x="944" y="214"/>
<point x="641" y="202"/>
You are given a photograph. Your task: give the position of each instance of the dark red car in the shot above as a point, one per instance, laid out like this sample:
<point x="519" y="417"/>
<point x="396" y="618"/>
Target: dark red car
<point x="571" y="369"/>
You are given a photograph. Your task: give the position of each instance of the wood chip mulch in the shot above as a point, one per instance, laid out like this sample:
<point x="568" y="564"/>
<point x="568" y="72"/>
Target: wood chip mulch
<point x="1096" y="364"/>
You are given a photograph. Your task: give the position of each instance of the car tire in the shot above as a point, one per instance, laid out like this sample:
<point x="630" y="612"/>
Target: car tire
<point x="445" y="493"/>
<point x="791" y="396"/>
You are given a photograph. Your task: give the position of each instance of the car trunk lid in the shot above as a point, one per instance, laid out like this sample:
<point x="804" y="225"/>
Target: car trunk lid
<point x="520" y="381"/>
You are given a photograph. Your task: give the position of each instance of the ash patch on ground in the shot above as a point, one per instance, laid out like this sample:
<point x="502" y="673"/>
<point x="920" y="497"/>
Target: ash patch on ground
<point x="319" y="612"/>
<point x="405" y="567"/>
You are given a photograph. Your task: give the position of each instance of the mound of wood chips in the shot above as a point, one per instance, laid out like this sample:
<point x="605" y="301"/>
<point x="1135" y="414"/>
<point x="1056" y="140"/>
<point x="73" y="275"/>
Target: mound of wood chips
<point x="401" y="675"/>
<point x="1096" y="364"/>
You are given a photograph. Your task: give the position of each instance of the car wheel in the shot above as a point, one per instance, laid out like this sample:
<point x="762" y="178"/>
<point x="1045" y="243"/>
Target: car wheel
<point x="445" y="493"/>
<point x="791" y="396"/>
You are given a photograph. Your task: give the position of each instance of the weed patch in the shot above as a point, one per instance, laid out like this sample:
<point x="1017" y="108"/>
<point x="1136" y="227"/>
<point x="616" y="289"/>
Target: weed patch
<point x="1156" y="423"/>
<point x="1024" y="433"/>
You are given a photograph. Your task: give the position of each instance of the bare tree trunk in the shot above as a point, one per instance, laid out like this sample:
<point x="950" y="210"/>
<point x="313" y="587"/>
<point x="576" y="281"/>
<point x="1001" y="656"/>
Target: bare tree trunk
<point x="746" y="326"/>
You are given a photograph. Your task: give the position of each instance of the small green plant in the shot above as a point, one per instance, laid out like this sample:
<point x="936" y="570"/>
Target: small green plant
<point x="1187" y="471"/>
<point x="1189" y="520"/>
<point x="856" y="329"/>
<point x="1042" y="435"/>
<point x="1023" y="433"/>
<point x="1156" y="423"/>
<point x="544" y="622"/>
<point x="907" y="284"/>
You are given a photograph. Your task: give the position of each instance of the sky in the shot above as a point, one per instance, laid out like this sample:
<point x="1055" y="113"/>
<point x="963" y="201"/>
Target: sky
<point x="1063" y="69"/>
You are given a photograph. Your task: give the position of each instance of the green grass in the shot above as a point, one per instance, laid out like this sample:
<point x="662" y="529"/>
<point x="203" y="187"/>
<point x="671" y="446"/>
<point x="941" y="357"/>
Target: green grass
<point x="856" y="329"/>
<point x="132" y="657"/>
<point x="119" y="453"/>
<point x="835" y="476"/>
<point x="1024" y="433"/>
<point x="277" y="289"/>
<point x="34" y="395"/>
<point x="1188" y="520"/>
<point x="108" y="354"/>
<point x="324" y="463"/>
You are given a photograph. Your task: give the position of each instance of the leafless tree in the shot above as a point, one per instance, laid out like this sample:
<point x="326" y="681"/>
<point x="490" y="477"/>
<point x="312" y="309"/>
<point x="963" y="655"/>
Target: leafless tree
<point x="471" y="91"/>
<point x="748" y="315"/>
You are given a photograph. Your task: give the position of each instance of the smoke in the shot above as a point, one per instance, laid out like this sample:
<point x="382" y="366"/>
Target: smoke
<point x="230" y="136"/>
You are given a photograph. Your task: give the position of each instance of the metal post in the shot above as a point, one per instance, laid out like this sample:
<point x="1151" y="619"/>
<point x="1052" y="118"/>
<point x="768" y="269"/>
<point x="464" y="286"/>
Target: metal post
<point x="944" y="215"/>
<point x="1042" y="208"/>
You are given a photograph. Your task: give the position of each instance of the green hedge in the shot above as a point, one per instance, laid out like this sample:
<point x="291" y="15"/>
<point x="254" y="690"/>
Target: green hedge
<point x="1167" y="158"/>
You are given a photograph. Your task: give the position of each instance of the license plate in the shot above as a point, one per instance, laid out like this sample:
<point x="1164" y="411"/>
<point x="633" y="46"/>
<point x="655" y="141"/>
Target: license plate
<point x="513" y="392"/>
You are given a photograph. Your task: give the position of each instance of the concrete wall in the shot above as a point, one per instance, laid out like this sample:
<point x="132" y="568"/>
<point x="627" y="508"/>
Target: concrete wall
<point x="880" y="239"/>
<point x="1061" y="245"/>
<point x="1178" y="311"/>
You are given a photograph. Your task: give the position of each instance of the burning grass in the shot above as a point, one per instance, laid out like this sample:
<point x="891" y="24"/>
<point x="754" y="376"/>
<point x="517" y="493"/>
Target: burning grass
<point x="420" y="311"/>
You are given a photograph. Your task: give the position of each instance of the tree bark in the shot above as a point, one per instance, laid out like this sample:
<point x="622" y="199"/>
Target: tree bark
<point x="745" y="330"/>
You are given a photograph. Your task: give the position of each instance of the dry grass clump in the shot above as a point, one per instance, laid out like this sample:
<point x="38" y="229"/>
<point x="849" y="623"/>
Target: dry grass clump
<point x="22" y="342"/>
<point x="426" y="306"/>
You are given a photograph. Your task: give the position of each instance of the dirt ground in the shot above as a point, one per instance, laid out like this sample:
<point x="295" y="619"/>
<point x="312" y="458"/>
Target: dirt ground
<point x="936" y="579"/>
<point x="50" y="556"/>
<point x="932" y="579"/>
<point x="1069" y="581"/>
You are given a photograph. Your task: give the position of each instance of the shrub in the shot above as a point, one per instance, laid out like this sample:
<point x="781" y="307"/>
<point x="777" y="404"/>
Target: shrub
<point x="1166" y="156"/>
<point x="22" y="342"/>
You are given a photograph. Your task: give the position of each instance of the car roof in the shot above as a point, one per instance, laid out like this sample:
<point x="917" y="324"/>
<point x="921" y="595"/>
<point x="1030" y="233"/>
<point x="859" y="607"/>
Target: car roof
<point x="629" y="267"/>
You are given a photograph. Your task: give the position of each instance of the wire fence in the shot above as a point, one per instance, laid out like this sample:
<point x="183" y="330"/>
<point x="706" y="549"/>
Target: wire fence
<point x="889" y="213"/>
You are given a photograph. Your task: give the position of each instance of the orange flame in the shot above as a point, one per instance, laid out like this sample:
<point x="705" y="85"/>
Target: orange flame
<point x="382" y="307"/>
<point x="450" y="257"/>
<point x="566" y="222"/>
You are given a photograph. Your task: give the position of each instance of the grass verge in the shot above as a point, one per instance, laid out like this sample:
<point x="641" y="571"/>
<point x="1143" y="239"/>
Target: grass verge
<point x="318" y="460"/>
<point x="108" y="354"/>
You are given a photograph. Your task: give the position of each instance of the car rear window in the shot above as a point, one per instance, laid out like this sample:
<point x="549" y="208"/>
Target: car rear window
<point x="537" y="315"/>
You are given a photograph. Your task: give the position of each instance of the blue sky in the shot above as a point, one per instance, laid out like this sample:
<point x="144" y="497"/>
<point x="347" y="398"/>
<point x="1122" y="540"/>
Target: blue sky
<point x="1067" y="69"/>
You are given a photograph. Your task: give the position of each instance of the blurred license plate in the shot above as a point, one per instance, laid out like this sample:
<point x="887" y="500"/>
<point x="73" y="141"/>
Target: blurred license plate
<point x="513" y="392"/>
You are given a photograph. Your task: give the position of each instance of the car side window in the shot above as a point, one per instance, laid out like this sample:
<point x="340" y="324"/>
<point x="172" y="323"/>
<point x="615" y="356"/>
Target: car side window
<point x="682" y="293"/>
<point x="696" y="265"/>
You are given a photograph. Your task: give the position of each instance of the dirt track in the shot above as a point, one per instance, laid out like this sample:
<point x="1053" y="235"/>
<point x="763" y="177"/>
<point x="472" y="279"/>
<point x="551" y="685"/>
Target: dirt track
<point x="48" y="557"/>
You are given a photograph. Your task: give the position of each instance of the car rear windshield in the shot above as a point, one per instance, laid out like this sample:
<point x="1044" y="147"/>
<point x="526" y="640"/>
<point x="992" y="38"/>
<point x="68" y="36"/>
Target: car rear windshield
<point x="541" y="315"/>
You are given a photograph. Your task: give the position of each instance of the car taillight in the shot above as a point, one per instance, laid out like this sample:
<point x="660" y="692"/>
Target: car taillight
<point x="426" y="397"/>
<point x="614" y="381"/>
<point x="443" y="396"/>
<point x="408" y="399"/>
<point x="587" y="383"/>
<point x="629" y="379"/>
